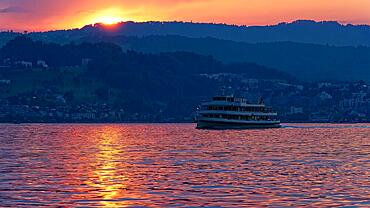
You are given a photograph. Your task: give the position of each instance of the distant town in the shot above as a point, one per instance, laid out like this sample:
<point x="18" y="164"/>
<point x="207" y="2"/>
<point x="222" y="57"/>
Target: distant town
<point x="339" y="102"/>
<point x="99" y="82"/>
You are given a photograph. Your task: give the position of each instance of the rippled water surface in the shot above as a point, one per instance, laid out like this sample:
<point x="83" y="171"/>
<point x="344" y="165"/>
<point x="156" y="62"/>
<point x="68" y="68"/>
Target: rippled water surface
<point x="168" y="165"/>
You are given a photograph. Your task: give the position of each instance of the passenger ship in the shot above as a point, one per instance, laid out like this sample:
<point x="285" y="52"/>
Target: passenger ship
<point x="229" y="112"/>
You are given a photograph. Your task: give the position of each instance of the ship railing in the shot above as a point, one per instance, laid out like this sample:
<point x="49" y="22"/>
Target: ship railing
<point x="235" y="112"/>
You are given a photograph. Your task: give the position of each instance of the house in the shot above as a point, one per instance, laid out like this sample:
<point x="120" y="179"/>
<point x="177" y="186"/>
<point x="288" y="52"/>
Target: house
<point x="82" y="116"/>
<point x="296" y="110"/>
<point x="85" y="61"/>
<point x="325" y="96"/>
<point x="42" y="64"/>
<point x="24" y="64"/>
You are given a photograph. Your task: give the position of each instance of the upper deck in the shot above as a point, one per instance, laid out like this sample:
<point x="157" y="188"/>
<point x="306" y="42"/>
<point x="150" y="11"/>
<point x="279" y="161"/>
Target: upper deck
<point x="231" y="101"/>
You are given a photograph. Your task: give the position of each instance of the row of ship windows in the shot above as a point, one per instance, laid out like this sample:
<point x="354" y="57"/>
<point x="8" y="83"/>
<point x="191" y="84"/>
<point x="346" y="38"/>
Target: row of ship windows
<point x="239" y="109"/>
<point x="240" y="117"/>
<point x="224" y="99"/>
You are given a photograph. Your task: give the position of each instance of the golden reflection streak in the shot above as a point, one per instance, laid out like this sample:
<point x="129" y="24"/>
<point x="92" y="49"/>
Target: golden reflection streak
<point x="106" y="177"/>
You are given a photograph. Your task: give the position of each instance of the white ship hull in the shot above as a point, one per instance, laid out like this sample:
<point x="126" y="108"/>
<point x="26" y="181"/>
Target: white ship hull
<point x="208" y="123"/>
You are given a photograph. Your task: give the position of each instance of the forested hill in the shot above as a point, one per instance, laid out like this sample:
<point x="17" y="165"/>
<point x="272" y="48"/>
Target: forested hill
<point x="108" y="58"/>
<point x="309" y="62"/>
<point x="301" y="31"/>
<point x="313" y="51"/>
<point x="172" y="83"/>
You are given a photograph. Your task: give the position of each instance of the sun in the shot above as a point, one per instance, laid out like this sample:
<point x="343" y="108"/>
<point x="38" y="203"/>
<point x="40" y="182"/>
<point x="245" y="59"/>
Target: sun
<point x="108" y="20"/>
<point x="109" y="17"/>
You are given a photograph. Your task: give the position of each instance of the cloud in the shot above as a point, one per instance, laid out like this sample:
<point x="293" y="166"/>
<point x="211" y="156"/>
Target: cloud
<point x="13" y="10"/>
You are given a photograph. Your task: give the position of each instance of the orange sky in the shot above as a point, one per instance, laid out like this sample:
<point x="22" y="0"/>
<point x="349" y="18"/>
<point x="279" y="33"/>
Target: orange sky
<point x="34" y="15"/>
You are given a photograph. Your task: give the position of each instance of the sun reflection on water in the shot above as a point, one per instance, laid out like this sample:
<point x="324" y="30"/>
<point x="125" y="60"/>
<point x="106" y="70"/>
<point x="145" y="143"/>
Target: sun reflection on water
<point x="106" y="177"/>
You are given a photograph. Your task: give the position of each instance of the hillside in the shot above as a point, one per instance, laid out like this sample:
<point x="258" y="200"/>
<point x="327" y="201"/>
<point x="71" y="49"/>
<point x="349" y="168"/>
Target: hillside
<point x="100" y="82"/>
<point x="309" y="50"/>
<point x="309" y="62"/>
<point x="301" y="31"/>
<point x="170" y="83"/>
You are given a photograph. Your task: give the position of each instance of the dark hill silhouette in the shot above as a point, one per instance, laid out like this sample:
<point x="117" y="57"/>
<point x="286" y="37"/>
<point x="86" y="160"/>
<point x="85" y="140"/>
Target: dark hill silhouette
<point x="310" y="62"/>
<point x="303" y="31"/>
<point x="307" y="49"/>
<point x="108" y="58"/>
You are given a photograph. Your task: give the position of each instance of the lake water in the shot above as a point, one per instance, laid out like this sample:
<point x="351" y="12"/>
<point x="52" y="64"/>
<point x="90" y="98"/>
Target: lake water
<point x="169" y="165"/>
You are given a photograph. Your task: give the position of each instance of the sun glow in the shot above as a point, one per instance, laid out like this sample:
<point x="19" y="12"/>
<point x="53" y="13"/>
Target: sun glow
<point x="109" y="16"/>
<point x="108" y="20"/>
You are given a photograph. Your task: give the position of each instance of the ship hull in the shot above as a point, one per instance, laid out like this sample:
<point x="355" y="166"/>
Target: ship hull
<point x="222" y="125"/>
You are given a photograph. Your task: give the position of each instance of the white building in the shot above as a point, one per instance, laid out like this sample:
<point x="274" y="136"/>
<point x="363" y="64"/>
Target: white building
<point x="42" y="64"/>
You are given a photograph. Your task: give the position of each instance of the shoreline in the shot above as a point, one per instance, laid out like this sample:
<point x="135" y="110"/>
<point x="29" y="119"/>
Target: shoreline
<point x="143" y="122"/>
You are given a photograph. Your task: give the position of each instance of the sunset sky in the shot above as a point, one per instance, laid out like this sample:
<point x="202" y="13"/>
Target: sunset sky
<point x="34" y="15"/>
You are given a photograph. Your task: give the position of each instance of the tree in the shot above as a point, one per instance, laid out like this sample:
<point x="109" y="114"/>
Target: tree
<point x="102" y="93"/>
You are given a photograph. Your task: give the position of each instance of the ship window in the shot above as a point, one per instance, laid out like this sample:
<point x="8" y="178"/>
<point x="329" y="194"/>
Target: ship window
<point x="219" y="99"/>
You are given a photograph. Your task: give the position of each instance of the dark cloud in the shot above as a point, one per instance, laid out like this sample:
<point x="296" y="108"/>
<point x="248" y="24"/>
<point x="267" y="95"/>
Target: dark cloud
<point x="13" y="10"/>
